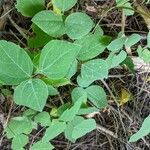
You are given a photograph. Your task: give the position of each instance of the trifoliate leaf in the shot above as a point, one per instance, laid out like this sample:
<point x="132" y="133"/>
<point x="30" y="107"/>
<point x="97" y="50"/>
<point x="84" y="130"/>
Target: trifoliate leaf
<point x="62" y="108"/>
<point x="72" y="70"/>
<point x="52" y="91"/>
<point x="144" y="54"/>
<point x="69" y="114"/>
<point x="54" y="112"/>
<point x="55" y="9"/>
<point x="128" y="10"/>
<point x="96" y="69"/>
<point x="148" y="39"/>
<point x="15" y="64"/>
<point x="121" y="2"/>
<point x="19" y="141"/>
<point x="97" y="96"/>
<point x="64" y="5"/>
<point x="78" y="25"/>
<point x="83" y="82"/>
<point x="29" y="8"/>
<point x="116" y="44"/>
<point x="129" y="63"/>
<point x="92" y="46"/>
<point x="1" y="83"/>
<point x="54" y="130"/>
<point x="17" y="126"/>
<point x="49" y="22"/>
<point x="56" y="82"/>
<point x="144" y="130"/>
<point x="68" y="132"/>
<point x="114" y="60"/>
<point x="83" y="128"/>
<point x="88" y="110"/>
<point x="99" y="31"/>
<point x="70" y="126"/>
<point x="36" y="61"/>
<point x="6" y="92"/>
<point x="32" y="93"/>
<point x="57" y="57"/>
<point x="132" y="40"/>
<point x="39" y="39"/>
<point x="43" y="118"/>
<point x="29" y="113"/>
<point x="77" y="93"/>
<point x="41" y="145"/>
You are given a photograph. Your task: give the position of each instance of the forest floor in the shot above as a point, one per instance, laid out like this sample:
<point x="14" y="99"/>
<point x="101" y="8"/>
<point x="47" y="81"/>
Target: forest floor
<point x="117" y="124"/>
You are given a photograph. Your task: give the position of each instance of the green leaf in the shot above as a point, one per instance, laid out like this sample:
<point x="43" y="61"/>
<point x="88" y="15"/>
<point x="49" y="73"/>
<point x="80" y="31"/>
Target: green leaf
<point x="56" y="82"/>
<point x="78" y="25"/>
<point x="29" y="8"/>
<point x="83" y="128"/>
<point x="34" y="125"/>
<point x="129" y="63"/>
<point x="72" y="70"/>
<point x="105" y="40"/>
<point x="49" y="22"/>
<point x="54" y="112"/>
<point x="69" y="114"/>
<point x="120" y="34"/>
<point x="92" y="46"/>
<point x="83" y="82"/>
<point x="77" y="120"/>
<point x="19" y="141"/>
<point x="129" y="10"/>
<point x="114" y="60"/>
<point x="139" y="51"/>
<point x="6" y="92"/>
<point x="20" y="149"/>
<point x="77" y="93"/>
<point x="88" y="110"/>
<point x="132" y="40"/>
<point x="1" y="83"/>
<point x="57" y="57"/>
<point x="148" y="39"/>
<point x="39" y="39"/>
<point x="54" y="130"/>
<point x="144" y="130"/>
<point x="62" y="108"/>
<point x="68" y="132"/>
<point x="96" y="69"/>
<point x="29" y="113"/>
<point x="32" y="93"/>
<point x="99" y="31"/>
<point x="36" y="61"/>
<point x="15" y="64"/>
<point x="121" y="2"/>
<point x="64" y="5"/>
<point x="70" y="126"/>
<point x="97" y="96"/>
<point x="43" y="118"/>
<point x="42" y="146"/>
<point x="116" y="44"/>
<point x="17" y="126"/>
<point x="144" y="54"/>
<point x="52" y="91"/>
